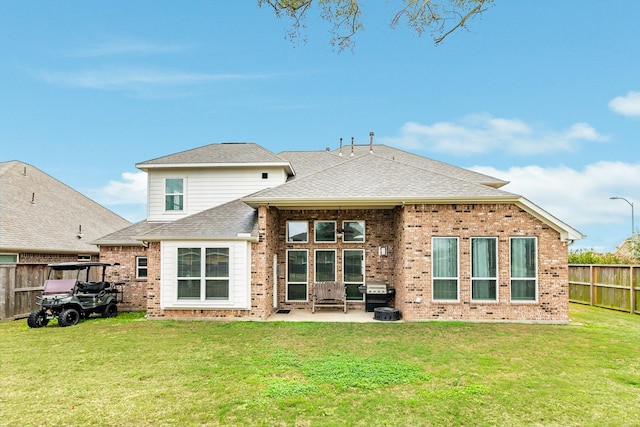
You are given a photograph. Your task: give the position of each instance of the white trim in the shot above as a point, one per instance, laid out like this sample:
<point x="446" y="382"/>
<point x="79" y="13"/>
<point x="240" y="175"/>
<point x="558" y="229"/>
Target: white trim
<point x="165" y="194"/>
<point x="364" y="231"/>
<point x="287" y="231"/>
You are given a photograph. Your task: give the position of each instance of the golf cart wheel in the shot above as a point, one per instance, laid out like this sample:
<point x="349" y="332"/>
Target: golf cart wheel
<point x="110" y="310"/>
<point x="68" y="317"/>
<point x="37" y="319"/>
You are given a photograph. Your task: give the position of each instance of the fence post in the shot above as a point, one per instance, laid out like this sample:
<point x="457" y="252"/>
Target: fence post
<point x="632" y="289"/>
<point x="591" y="287"/>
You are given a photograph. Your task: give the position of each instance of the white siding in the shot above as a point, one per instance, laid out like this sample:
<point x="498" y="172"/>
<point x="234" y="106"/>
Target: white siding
<point x="239" y="280"/>
<point x="204" y="189"/>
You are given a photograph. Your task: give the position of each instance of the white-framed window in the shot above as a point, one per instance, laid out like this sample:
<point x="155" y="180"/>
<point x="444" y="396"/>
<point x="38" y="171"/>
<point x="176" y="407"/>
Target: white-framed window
<point x="445" y="268"/>
<point x="325" y="265"/>
<point x="297" y="274"/>
<point x="353" y="231"/>
<point x="353" y="269"/>
<point x="484" y="268"/>
<point x="297" y="231"/>
<point x="324" y="231"/>
<point x="524" y="269"/>
<point x="174" y="194"/>
<point x="8" y="258"/>
<point x="141" y="267"/>
<point x="203" y="273"/>
<point x="83" y="258"/>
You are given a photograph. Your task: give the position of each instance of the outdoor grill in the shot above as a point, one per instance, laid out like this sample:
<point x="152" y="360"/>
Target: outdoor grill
<point x="377" y="293"/>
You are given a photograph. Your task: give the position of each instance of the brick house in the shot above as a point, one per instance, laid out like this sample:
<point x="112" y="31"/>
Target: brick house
<point x="235" y="231"/>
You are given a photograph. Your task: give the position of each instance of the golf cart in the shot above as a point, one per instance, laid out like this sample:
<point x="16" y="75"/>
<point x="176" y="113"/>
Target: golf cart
<point x="74" y="291"/>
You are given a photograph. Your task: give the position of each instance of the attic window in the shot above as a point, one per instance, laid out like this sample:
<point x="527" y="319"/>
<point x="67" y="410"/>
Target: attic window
<point x="265" y="175"/>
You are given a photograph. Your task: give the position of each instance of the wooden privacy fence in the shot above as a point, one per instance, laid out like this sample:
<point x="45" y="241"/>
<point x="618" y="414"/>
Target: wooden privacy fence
<point x="609" y="286"/>
<point x="19" y="287"/>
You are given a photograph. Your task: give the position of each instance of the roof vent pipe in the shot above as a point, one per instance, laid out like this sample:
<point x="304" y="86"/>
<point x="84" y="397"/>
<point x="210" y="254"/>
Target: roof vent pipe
<point x="351" y="147"/>
<point x="371" y="142"/>
<point x="340" y="154"/>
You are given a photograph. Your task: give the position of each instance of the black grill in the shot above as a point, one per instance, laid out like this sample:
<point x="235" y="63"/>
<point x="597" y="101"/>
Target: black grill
<point x="377" y="293"/>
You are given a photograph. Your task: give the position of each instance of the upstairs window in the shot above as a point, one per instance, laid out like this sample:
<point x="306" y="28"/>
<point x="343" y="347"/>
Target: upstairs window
<point x="174" y="194"/>
<point x="8" y="258"/>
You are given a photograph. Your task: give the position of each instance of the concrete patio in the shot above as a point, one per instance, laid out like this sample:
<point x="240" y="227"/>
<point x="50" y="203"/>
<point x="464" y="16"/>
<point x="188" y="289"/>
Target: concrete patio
<point x="326" y="315"/>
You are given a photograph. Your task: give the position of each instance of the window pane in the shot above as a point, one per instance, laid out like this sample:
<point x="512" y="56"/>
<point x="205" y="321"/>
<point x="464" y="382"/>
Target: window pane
<point x="173" y="203"/>
<point x="445" y="289"/>
<point x="8" y="258"/>
<point x="217" y="262"/>
<point x="189" y="289"/>
<point x="445" y="257"/>
<point x="523" y="290"/>
<point x="141" y="271"/>
<point x="483" y="289"/>
<point x="325" y="231"/>
<point x="353" y="231"/>
<point x="523" y="258"/>
<point x="173" y="186"/>
<point x="217" y="289"/>
<point x="188" y="262"/>
<point x="353" y="263"/>
<point x="297" y="292"/>
<point x="353" y="293"/>
<point x="297" y="231"/>
<point x="325" y="266"/>
<point x="483" y="257"/>
<point x="297" y="266"/>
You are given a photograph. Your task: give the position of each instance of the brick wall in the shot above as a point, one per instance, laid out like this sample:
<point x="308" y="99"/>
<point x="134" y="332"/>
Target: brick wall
<point x="417" y="224"/>
<point x="135" y="290"/>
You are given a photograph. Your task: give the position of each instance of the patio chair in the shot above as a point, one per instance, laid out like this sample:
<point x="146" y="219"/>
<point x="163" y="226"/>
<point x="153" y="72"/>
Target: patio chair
<point x="329" y="294"/>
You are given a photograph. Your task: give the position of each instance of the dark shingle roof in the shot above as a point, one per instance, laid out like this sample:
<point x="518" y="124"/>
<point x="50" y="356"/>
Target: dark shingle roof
<point x="41" y="214"/>
<point x="229" y="221"/>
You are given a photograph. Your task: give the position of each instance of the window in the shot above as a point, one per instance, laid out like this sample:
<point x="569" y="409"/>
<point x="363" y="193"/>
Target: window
<point x="297" y="231"/>
<point x="8" y="258"/>
<point x="445" y="268"/>
<point x="174" y="194"/>
<point x="82" y="258"/>
<point x="141" y="267"/>
<point x="325" y="265"/>
<point x="523" y="268"/>
<point x="353" y="231"/>
<point x="325" y="231"/>
<point x="265" y="175"/>
<point x="353" y="273"/>
<point x="214" y="284"/>
<point x="297" y="275"/>
<point x="484" y="270"/>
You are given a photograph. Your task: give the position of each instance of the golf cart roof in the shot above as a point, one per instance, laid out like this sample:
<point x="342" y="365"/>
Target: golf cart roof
<point x="79" y="265"/>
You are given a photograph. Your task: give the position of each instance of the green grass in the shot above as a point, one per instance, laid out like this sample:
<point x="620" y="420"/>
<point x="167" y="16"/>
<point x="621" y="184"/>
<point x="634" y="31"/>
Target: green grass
<point x="129" y="371"/>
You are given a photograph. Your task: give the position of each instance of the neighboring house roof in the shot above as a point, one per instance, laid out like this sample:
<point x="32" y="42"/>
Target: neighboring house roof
<point x="233" y="220"/>
<point x="238" y="154"/>
<point x="41" y="214"/>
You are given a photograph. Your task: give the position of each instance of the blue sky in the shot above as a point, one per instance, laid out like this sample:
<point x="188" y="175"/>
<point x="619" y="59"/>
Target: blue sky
<point x="544" y="94"/>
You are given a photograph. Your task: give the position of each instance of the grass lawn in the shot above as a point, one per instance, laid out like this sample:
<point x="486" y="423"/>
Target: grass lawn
<point x="129" y="371"/>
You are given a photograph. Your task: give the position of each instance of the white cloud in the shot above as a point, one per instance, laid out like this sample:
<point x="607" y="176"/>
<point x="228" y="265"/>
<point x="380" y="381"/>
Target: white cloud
<point x="135" y="78"/>
<point x="482" y="133"/>
<point x="124" y="47"/>
<point x="132" y="189"/>
<point x="628" y="105"/>
<point x="580" y="197"/>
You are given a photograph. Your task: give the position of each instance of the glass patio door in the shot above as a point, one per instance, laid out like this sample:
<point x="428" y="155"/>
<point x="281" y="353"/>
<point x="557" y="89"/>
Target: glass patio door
<point x="353" y="272"/>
